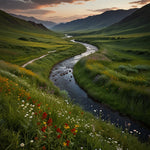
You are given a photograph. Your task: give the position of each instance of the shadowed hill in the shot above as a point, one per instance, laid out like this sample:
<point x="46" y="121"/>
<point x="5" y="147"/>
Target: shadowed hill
<point x="47" y="24"/>
<point x="10" y="22"/>
<point x="137" y="22"/>
<point x="94" y="22"/>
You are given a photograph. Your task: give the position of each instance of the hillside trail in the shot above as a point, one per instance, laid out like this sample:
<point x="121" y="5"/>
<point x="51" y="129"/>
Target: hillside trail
<point x="31" y="61"/>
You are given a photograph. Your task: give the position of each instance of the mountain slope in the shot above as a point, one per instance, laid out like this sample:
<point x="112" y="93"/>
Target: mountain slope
<point x="47" y="24"/>
<point x="94" y="22"/>
<point x="9" y="22"/>
<point x="137" y="22"/>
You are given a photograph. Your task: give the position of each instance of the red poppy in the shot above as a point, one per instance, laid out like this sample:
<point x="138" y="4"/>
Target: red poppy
<point x="74" y="133"/>
<point x="67" y="142"/>
<point x="35" y="113"/>
<point x="44" y="115"/>
<point x="38" y="123"/>
<point x="28" y="98"/>
<point x="59" y="131"/>
<point x="66" y="124"/>
<point x="43" y="129"/>
<point x="58" y="137"/>
<point x="43" y="148"/>
<point x="36" y="138"/>
<point x="49" y="122"/>
<point x="73" y="130"/>
<point x="38" y="105"/>
<point x="69" y="112"/>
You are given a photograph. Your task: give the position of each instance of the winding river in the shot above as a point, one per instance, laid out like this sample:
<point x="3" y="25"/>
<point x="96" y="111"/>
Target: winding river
<point x="62" y="76"/>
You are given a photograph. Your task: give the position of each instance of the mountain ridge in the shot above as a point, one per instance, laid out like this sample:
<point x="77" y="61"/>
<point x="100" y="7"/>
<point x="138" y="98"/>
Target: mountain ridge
<point x="47" y="24"/>
<point x="94" y="22"/>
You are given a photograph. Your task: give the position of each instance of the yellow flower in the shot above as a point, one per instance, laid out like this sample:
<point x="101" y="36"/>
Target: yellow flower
<point x="76" y="131"/>
<point x="64" y="144"/>
<point x="76" y="126"/>
<point x="44" y="122"/>
<point x="66" y="127"/>
<point x="38" y="107"/>
<point x="46" y="104"/>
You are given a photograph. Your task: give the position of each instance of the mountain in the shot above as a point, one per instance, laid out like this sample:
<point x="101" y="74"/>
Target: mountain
<point x="94" y="22"/>
<point x="47" y="24"/>
<point x="137" y="22"/>
<point x="8" y="22"/>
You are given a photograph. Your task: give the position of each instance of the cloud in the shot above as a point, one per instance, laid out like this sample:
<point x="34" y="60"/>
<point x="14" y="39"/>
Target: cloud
<point x="31" y="4"/>
<point x="34" y="11"/>
<point x="103" y="10"/>
<point x="140" y="2"/>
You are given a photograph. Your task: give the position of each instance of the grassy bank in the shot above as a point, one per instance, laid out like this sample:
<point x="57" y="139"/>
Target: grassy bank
<point x="32" y="116"/>
<point x="119" y="73"/>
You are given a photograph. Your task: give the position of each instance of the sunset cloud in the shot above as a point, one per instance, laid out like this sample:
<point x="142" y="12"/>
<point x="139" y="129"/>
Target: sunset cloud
<point x="141" y="2"/>
<point x="104" y="9"/>
<point x="32" y="4"/>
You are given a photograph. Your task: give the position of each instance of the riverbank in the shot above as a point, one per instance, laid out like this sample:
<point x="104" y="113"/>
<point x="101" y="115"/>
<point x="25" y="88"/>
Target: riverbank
<point x="115" y="77"/>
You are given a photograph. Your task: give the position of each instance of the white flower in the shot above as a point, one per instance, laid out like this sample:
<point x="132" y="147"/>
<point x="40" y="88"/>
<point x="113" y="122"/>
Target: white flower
<point x="22" y="101"/>
<point x="30" y="110"/>
<point x="31" y="141"/>
<point x="22" y="144"/>
<point x="81" y="147"/>
<point x="33" y="105"/>
<point x="22" y="105"/>
<point x="27" y="104"/>
<point x="30" y="117"/>
<point x="32" y="113"/>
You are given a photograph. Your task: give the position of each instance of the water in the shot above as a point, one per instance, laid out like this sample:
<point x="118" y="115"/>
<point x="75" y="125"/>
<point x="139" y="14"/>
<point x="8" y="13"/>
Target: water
<point x="62" y="76"/>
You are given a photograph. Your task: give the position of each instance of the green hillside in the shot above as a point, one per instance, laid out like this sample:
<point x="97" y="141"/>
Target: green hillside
<point x="137" y="22"/>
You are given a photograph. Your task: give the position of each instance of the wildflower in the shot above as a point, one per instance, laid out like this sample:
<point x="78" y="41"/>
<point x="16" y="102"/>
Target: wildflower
<point x="59" y="131"/>
<point x="38" y="105"/>
<point x="64" y="143"/>
<point x="73" y="130"/>
<point x="76" y="126"/>
<point x="81" y="147"/>
<point x="44" y="122"/>
<point x="22" y="144"/>
<point x="49" y="122"/>
<point x="43" y="129"/>
<point x="30" y="117"/>
<point x="66" y="126"/>
<point x="58" y="136"/>
<point x="68" y="142"/>
<point x="28" y="98"/>
<point x="36" y="138"/>
<point x="43" y="148"/>
<point x="31" y="141"/>
<point x="44" y="115"/>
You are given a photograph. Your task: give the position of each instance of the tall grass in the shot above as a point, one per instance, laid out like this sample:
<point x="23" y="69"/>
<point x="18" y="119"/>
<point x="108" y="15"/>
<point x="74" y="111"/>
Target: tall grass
<point x="31" y="118"/>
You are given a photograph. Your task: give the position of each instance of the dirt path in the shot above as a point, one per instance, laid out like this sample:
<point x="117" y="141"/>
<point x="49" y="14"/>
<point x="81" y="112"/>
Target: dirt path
<point x="31" y="61"/>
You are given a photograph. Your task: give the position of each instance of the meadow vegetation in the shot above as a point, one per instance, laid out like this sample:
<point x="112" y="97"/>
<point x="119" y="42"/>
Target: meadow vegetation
<point x="34" y="114"/>
<point x="119" y="73"/>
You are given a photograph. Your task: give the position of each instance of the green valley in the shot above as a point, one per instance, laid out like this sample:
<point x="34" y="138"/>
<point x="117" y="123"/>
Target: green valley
<point x="36" y="115"/>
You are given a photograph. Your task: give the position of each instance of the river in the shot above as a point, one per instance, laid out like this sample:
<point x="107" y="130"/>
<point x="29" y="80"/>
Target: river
<point x="62" y="76"/>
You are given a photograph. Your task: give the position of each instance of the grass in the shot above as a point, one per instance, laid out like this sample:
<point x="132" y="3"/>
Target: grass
<point x="35" y="116"/>
<point x="119" y="73"/>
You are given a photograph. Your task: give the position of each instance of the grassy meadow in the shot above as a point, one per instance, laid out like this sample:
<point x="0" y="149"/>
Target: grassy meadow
<point x="36" y="115"/>
<point x="119" y="73"/>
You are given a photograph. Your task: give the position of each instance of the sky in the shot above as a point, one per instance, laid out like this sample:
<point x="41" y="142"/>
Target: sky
<point x="66" y="10"/>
